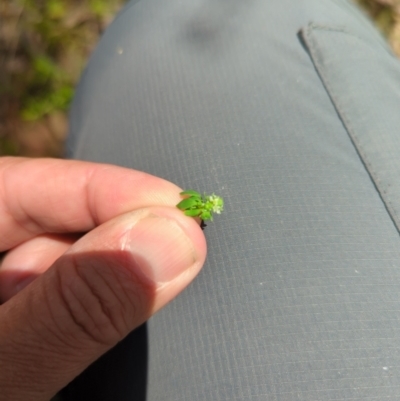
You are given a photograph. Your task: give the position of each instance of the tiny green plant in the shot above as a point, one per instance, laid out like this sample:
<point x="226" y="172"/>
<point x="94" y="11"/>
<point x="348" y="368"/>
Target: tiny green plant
<point x="202" y="206"/>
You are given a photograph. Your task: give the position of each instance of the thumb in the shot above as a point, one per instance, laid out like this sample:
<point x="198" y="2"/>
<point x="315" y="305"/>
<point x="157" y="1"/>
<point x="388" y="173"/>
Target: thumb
<point x="108" y="283"/>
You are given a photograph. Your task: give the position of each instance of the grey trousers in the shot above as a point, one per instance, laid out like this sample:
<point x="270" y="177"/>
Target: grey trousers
<point x="290" y="110"/>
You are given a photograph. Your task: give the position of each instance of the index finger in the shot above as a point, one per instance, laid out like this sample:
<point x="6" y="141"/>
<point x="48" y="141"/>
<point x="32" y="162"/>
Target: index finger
<point x="65" y="196"/>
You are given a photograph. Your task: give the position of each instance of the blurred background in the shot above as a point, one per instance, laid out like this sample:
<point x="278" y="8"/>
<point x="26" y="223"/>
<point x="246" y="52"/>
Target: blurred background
<point x="44" y="46"/>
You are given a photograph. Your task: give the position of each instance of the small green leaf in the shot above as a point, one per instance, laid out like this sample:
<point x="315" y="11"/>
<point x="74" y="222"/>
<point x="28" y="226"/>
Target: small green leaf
<point x="188" y="203"/>
<point x="192" y="213"/>
<point x="206" y="215"/>
<point x="191" y="193"/>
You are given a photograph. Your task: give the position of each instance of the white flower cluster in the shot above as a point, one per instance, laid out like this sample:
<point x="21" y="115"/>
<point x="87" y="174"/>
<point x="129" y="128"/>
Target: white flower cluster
<point x="217" y="203"/>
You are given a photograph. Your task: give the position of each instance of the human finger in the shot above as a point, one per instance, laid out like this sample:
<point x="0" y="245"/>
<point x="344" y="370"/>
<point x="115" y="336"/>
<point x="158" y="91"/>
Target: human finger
<point x="40" y="196"/>
<point x="24" y="263"/>
<point x="108" y="283"/>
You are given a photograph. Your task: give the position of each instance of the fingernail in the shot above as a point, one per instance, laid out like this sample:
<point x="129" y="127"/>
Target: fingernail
<point x="160" y="248"/>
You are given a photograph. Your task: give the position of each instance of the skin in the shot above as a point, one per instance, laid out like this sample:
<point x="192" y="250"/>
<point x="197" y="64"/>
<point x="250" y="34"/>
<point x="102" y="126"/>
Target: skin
<point x="90" y="252"/>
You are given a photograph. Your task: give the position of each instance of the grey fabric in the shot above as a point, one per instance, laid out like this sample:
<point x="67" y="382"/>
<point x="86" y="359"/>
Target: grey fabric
<point x="289" y="110"/>
<point x="370" y="126"/>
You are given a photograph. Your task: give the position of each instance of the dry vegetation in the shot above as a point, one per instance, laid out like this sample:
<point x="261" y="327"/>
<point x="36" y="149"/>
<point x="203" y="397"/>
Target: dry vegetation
<point x="386" y="14"/>
<point x="44" y="45"/>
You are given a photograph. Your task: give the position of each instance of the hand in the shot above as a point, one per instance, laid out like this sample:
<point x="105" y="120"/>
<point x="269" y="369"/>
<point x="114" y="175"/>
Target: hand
<point x="68" y="297"/>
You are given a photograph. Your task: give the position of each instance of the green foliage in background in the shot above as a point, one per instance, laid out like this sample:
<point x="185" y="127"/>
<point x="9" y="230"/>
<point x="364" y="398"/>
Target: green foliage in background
<point x="54" y="40"/>
<point x="48" y="89"/>
<point x="49" y="86"/>
<point x="383" y="12"/>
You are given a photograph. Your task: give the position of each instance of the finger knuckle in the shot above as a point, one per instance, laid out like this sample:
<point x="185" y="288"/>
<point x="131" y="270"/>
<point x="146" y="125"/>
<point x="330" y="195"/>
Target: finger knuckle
<point x="96" y="302"/>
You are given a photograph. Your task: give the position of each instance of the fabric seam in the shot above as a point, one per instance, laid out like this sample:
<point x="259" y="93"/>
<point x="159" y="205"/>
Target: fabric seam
<point x="379" y="185"/>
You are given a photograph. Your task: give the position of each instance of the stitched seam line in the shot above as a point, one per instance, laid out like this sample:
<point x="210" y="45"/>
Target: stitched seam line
<point x="379" y="185"/>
